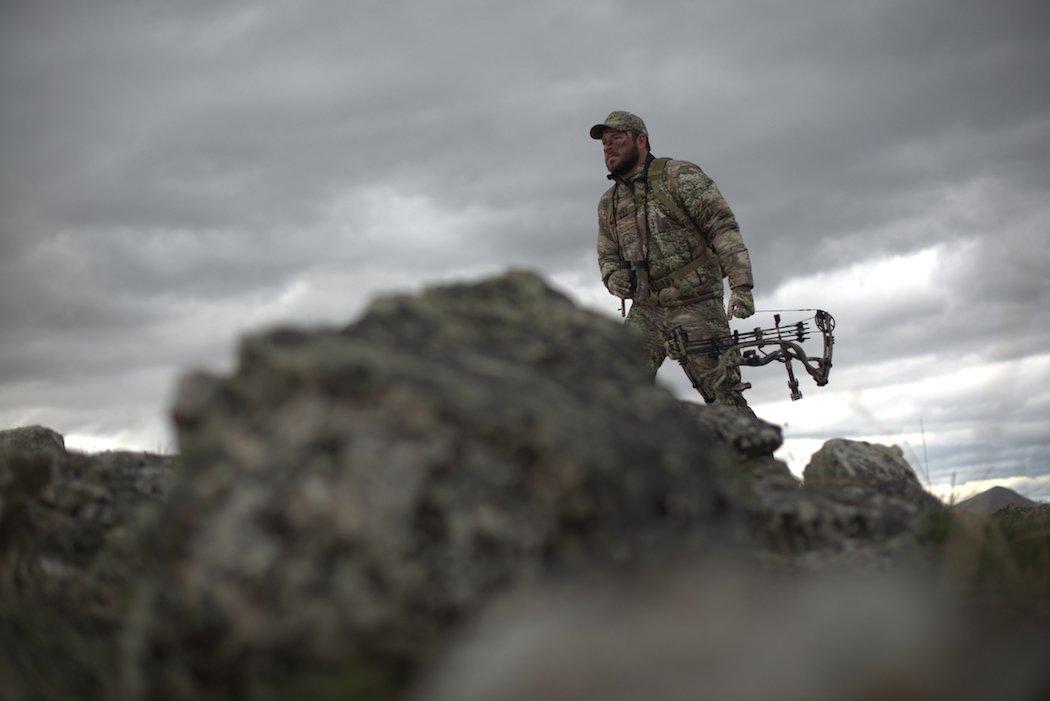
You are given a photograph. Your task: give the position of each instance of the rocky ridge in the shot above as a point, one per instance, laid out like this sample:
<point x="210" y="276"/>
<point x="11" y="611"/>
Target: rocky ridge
<point x="349" y="500"/>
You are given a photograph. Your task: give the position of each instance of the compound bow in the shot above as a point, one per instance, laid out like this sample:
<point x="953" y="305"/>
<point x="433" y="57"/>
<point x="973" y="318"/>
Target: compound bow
<point x="749" y="348"/>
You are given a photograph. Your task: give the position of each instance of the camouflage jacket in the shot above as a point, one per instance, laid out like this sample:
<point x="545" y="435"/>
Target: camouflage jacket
<point x="643" y="230"/>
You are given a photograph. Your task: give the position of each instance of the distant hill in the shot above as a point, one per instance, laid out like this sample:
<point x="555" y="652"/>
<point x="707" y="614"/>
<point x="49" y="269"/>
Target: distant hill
<point x="992" y="500"/>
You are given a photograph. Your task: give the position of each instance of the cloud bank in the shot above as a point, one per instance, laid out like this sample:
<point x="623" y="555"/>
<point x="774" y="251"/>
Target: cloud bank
<point x="177" y="173"/>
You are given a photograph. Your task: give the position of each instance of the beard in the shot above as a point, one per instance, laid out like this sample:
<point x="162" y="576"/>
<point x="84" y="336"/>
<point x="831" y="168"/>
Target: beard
<point x="630" y="160"/>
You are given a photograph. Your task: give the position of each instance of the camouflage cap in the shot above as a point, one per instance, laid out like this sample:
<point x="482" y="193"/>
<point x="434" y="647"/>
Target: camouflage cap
<point x="619" y="121"/>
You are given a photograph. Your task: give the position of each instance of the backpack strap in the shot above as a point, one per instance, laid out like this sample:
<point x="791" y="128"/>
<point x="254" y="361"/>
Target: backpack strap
<point x="659" y="184"/>
<point x="660" y="187"/>
<point x="611" y="216"/>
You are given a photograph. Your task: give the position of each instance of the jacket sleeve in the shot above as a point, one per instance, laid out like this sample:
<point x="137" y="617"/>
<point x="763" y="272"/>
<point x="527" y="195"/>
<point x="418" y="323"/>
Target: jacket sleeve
<point x="608" y="245"/>
<point x="705" y="204"/>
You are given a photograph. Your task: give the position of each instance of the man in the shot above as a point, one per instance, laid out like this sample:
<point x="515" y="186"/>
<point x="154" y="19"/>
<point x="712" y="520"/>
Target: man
<point x="666" y="237"/>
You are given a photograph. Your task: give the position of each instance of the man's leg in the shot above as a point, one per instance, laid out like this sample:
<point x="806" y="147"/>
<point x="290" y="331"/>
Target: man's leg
<point x="649" y="322"/>
<point x="719" y="378"/>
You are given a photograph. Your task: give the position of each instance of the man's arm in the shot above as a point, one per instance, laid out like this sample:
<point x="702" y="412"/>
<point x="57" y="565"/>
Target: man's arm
<point x="608" y="245"/>
<point x="705" y="204"/>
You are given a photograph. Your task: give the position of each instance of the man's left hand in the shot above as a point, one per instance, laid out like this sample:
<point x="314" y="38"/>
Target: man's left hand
<point x="741" y="304"/>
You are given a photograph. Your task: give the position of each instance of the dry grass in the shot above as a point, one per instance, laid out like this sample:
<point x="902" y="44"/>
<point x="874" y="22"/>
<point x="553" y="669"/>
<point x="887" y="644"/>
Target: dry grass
<point x="1005" y="554"/>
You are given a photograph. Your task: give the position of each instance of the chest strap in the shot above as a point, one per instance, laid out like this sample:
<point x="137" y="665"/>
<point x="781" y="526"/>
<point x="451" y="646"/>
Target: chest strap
<point x="659" y="182"/>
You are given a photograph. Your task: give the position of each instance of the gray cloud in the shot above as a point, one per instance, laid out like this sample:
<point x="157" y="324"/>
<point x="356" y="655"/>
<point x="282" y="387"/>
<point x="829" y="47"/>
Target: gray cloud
<point x="175" y="172"/>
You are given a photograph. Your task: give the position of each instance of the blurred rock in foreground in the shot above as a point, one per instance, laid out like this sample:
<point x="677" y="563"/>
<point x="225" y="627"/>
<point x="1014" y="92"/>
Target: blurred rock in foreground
<point x="722" y="628"/>
<point x="351" y="494"/>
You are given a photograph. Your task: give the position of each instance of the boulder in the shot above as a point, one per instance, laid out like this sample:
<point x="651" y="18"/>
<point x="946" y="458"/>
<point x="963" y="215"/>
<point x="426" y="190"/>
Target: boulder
<point x="58" y="508"/>
<point x="31" y="439"/>
<point x="860" y="499"/>
<point x="859" y="504"/>
<point x="69" y="557"/>
<point x="860" y="470"/>
<point x="351" y="494"/>
<point x="747" y="434"/>
<point x="28" y="457"/>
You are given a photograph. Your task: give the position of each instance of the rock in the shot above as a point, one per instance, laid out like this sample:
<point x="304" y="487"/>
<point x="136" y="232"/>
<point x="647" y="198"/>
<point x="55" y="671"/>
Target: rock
<point x="68" y="560"/>
<point x="862" y="469"/>
<point x="352" y="494"/>
<point x="748" y="435"/>
<point x="760" y="486"/>
<point x="859" y="500"/>
<point x="751" y="443"/>
<point x="23" y="478"/>
<point x="349" y="499"/>
<point x="31" y="439"/>
<point x="28" y="466"/>
<point x="57" y="509"/>
<point x="28" y="456"/>
<point x="860" y="503"/>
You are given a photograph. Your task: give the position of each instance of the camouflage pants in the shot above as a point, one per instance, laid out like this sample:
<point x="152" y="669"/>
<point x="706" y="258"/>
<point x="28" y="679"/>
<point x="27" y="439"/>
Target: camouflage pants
<point x="717" y="384"/>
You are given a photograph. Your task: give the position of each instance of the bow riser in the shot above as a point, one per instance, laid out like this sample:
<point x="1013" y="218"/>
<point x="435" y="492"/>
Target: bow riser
<point x="748" y="348"/>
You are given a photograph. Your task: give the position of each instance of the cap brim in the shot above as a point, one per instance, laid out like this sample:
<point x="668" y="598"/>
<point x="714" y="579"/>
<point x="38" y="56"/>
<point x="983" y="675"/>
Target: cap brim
<point x="598" y="129"/>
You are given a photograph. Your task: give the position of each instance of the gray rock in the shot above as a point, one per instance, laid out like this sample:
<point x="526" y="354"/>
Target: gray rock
<point x="859" y="500"/>
<point x="748" y="435"/>
<point x="23" y="479"/>
<point x="860" y="504"/>
<point x="348" y="499"/>
<point x="31" y="439"/>
<point x="58" y="508"/>
<point x="28" y="458"/>
<point x="68" y="560"/>
<point x="862" y="469"/>
<point x="351" y="494"/>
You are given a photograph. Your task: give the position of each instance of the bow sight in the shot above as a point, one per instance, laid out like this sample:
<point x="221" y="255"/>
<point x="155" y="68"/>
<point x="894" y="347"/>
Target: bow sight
<point x="750" y="348"/>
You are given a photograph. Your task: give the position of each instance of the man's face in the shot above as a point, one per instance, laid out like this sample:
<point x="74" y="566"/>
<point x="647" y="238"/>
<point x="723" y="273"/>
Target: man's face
<point x="621" y="151"/>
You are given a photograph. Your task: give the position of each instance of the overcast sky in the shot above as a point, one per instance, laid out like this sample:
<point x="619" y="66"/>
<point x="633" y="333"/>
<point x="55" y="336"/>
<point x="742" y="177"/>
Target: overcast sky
<point x="175" y="173"/>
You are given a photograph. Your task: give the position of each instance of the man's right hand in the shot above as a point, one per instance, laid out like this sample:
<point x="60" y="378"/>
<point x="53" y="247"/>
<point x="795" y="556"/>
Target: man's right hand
<point x="619" y="283"/>
<point x="741" y="303"/>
